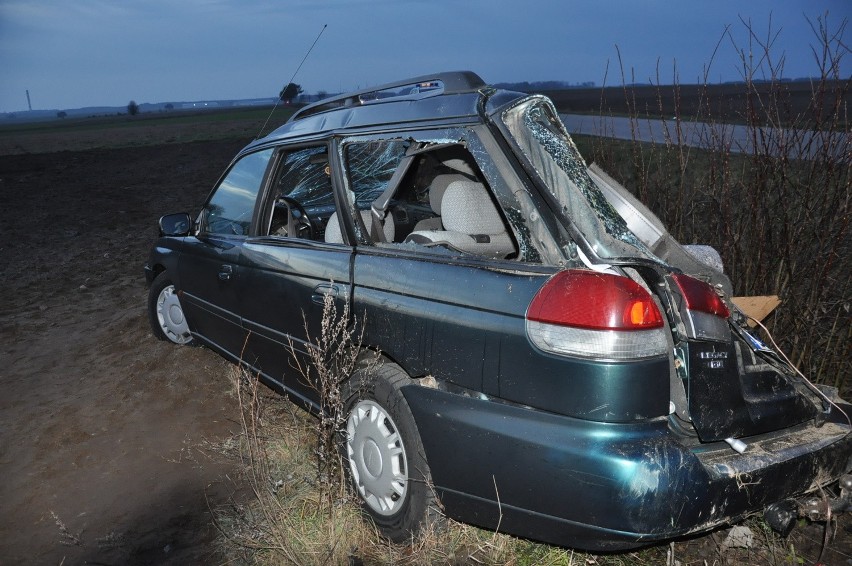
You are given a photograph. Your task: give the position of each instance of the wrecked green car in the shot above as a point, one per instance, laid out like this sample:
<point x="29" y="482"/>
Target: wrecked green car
<point x="554" y="363"/>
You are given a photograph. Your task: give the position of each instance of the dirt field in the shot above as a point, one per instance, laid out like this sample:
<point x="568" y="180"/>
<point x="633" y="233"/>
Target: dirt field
<point x="107" y="436"/>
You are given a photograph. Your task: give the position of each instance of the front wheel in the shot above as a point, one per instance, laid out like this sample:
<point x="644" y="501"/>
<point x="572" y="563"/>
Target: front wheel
<point x="165" y="312"/>
<point x="385" y="457"/>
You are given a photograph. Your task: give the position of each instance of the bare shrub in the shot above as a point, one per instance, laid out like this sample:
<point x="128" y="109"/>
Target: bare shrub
<point x="289" y="519"/>
<point x="331" y="358"/>
<point x="300" y="512"/>
<point x="775" y="204"/>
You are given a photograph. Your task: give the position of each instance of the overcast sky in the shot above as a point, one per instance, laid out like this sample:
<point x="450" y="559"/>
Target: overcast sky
<point x="79" y="53"/>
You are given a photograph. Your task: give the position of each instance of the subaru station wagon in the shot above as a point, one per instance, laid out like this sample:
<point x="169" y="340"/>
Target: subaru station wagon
<point x="552" y="362"/>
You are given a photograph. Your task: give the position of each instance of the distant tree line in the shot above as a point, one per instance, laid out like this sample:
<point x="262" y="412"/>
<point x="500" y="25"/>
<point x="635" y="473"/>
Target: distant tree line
<point x="543" y="85"/>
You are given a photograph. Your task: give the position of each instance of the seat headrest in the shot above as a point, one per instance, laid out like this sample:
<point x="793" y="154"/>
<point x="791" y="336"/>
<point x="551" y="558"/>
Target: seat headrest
<point x="467" y="207"/>
<point x="460" y="165"/>
<point x="438" y="187"/>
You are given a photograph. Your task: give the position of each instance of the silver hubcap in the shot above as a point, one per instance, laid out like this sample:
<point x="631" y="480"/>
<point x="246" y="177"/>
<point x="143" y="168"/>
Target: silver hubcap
<point x="376" y="458"/>
<point x="170" y="316"/>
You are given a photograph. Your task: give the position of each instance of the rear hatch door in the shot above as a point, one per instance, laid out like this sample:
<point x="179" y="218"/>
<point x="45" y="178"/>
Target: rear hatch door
<point x="732" y="384"/>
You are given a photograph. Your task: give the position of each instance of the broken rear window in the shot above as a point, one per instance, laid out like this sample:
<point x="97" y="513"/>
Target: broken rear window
<point x="552" y="157"/>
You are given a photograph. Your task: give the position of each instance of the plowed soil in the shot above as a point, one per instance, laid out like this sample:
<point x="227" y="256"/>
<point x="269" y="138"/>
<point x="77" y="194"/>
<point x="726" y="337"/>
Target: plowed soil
<point x="108" y="437"/>
<point x="110" y="440"/>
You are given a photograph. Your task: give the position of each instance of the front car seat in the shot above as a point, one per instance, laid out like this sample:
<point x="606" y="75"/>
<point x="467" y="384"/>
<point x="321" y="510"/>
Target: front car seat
<point x="333" y="234"/>
<point x="471" y="222"/>
<point x="437" y="188"/>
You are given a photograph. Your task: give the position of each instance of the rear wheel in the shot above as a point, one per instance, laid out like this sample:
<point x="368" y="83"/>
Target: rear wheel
<point x="384" y="455"/>
<point x="165" y="312"/>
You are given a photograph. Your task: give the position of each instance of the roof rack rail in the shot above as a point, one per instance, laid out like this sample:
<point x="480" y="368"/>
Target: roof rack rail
<point x="452" y="82"/>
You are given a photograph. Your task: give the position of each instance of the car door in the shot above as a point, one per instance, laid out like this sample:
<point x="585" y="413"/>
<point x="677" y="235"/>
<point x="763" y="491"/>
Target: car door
<point x="211" y="277"/>
<point x="432" y="309"/>
<point x="297" y="258"/>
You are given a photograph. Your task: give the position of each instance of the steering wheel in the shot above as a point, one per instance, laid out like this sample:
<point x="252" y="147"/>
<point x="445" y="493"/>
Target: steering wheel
<point x="299" y="224"/>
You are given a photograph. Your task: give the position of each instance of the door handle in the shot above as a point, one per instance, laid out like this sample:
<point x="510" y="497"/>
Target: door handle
<point x="225" y="272"/>
<point x="322" y="290"/>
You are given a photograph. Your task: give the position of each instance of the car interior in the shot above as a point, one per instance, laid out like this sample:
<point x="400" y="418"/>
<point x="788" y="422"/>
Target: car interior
<point x="441" y="201"/>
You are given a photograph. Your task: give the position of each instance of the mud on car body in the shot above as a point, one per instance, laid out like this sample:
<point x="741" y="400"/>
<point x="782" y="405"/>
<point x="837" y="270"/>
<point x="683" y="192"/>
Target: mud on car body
<point x="553" y="360"/>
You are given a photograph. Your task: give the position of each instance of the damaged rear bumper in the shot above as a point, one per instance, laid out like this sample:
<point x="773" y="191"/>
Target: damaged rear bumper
<point x="605" y="486"/>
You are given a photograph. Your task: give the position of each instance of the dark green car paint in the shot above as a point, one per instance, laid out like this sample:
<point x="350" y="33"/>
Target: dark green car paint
<point x="572" y="451"/>
<point x="605" y="486"/>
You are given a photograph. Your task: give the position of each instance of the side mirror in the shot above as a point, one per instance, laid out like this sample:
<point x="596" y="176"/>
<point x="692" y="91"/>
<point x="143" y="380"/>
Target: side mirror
<point x="175" y="224"/>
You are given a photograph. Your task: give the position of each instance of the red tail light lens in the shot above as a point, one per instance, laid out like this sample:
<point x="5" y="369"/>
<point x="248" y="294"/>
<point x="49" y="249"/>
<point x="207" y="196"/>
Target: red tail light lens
<point x="598" y="316"/>
<point x="700" y="296"/>
<point x="596" y="301"/>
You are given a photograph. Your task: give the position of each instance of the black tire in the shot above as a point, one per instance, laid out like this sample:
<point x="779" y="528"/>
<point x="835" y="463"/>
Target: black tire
<point x="165" y="312"/>
<point x="374" y="407"/>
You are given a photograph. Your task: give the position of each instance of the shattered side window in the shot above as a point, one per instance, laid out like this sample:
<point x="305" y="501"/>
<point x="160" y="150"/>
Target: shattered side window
<point x="302" y="199"/>
<point x="304" y="176"/>
<point x="371" y="165"/>
<point x="539" y="134"/>
<point x="414" y="215"/>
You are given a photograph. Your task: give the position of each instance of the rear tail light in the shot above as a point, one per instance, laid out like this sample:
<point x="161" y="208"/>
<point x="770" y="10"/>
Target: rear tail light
<point x="596" y="315"/>
<point x="704" y="313"/>
<point x="700" y="296"/>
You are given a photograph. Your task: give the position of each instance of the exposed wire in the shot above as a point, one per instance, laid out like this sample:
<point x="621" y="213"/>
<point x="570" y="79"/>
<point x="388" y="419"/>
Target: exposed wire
<point x="278" y="99"/>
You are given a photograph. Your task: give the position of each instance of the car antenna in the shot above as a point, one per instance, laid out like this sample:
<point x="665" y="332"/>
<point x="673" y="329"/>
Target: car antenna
<point x="290" y="81"/>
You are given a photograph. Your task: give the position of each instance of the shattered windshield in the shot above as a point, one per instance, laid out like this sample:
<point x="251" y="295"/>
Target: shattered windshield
<point x="542" y="139"/>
